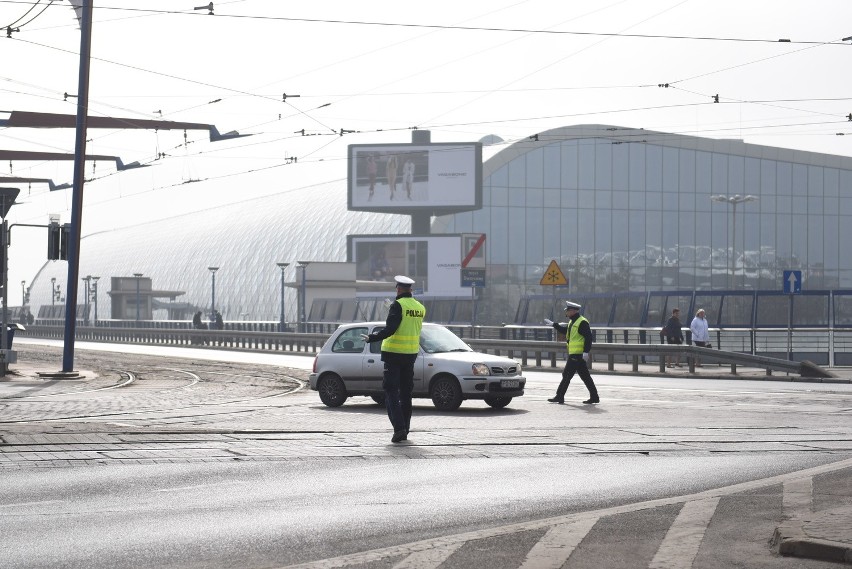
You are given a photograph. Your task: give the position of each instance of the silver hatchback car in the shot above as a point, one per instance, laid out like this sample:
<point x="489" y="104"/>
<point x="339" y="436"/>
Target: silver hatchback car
<point x="447" y="370"/>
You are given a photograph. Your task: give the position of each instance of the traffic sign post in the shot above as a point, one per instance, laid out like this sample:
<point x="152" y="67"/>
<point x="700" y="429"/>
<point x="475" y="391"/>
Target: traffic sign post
<point x="473" y="266"/>
<point x="473" y="260"/>
<point x="553" y="276"/>
<point x="792" y="284"/>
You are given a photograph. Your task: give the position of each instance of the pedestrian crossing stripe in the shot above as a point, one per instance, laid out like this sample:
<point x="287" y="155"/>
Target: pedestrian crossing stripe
<point x="564" y="533"/>
<point x="553" y="276"/>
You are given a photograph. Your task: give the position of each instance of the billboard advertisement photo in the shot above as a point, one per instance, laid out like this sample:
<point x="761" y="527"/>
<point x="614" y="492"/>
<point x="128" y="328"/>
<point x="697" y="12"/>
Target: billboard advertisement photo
<point x="405" y="178"/>
<point x="433" y="261"/>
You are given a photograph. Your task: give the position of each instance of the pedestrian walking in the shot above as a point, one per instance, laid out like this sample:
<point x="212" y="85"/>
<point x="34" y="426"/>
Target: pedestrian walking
<point x="700" y="330"/>
<point x="578" y="336"/>
<point x="674" y="335"/>
<point x="400" y="345"/>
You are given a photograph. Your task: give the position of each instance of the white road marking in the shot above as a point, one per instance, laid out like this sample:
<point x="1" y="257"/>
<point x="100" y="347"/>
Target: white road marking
<point x="798" y="497"/>
<point x="680" y="546"/>
<point x="429" y="558"/>
<point x="706" y="498"/>
<point x="554" y="548"/>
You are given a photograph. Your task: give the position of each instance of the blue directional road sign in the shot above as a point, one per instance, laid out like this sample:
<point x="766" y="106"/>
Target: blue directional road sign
<point x="792" y="282"/>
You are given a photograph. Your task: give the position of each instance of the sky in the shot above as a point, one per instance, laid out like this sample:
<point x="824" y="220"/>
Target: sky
<point x="370" y="72"/>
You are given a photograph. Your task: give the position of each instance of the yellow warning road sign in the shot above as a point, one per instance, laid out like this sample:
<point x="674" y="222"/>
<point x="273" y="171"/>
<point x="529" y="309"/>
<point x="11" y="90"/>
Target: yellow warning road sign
<point x="553" y="276"/>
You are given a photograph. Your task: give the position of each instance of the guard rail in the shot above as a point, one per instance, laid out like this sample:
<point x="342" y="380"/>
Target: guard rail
<point x="543" y="353"/>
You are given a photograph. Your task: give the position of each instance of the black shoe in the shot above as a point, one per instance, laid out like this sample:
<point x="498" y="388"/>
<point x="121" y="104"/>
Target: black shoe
<point x="398" y="436"/>
<point x="557" y="400"/>
<point x="591" y="401"/>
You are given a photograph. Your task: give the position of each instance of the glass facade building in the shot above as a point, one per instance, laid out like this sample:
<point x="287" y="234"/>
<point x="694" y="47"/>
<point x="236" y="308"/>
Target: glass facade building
<point x="624" y="209"/>
<point x="620" y="210"/>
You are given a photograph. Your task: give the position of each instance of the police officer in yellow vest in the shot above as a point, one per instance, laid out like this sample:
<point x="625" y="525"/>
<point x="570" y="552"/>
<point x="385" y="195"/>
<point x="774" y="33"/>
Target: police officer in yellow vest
<point x="400" y="345"/>
<point x="578" y="335"/>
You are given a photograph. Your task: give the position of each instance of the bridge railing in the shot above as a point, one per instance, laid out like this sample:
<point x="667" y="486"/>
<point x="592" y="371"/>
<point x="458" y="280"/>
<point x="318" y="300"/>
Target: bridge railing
<point x="532" y="346"/>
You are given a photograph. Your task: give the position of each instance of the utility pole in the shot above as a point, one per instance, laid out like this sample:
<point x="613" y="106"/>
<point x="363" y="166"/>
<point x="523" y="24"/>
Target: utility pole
<point x="79" y="178"/>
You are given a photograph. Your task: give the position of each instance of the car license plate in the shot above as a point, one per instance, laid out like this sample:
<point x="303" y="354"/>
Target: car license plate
<point x="510" y="383"/>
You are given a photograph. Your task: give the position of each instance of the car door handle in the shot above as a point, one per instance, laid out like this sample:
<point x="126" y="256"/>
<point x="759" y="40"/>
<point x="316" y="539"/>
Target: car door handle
<point x="371" y="361"/>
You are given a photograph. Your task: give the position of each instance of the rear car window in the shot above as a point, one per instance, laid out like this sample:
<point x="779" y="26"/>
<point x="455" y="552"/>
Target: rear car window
<point x="350" y="341"/>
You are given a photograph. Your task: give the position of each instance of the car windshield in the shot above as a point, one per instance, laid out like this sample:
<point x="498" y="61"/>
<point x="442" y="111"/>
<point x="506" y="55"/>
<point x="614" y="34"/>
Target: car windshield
<point x="437" y="339"/>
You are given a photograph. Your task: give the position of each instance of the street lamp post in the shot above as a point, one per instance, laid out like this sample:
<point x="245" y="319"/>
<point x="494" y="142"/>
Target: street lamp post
<point x="303" y="319"/>
<point x="54" y="291"/>
<point x="23" y="293"/>
<point x="734" y="201"/>
<point x="282" y="326"/>
<point x="87" y="279"/>
<point x="213" y="293"/>
<point x="138" y="277"/>
<point x="95" y="297"/>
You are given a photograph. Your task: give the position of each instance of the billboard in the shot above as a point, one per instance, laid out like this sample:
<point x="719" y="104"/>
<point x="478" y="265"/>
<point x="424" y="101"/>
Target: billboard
<point x="437" y="178"/>
<point x="433" y="261"/>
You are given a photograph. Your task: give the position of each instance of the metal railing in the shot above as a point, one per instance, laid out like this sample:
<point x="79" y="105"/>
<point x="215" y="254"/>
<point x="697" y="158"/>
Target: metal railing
<point x="288" y="342"/>
<point x="538" y="345"/>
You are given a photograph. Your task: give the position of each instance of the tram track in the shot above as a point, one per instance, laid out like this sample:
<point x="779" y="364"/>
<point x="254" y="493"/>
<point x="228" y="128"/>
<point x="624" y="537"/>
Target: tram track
<point x="168" y="392"/>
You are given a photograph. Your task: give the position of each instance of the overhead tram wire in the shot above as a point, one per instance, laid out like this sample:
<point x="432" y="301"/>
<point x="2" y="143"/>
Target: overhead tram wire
<point x="552" y="63"/>
<point x="462" y="28"/>
<point x="448" y="27"/>
<point x="657" y="137"/>
<point x="633" y="137"/>
<point x="24" y="15"/>
<point x="431" y="27"/>
<point x="810" y="45"/>
<point x="183" y="79"/>
<point x="731" y="100"/>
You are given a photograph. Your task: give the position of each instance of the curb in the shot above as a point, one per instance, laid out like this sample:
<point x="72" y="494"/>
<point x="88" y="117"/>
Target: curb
<point x="792" y="539"/>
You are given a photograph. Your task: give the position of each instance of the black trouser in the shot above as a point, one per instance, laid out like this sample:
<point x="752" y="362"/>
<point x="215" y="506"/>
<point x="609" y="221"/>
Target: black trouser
<point x="398" y="384"/>
<point x="576" y="364"/>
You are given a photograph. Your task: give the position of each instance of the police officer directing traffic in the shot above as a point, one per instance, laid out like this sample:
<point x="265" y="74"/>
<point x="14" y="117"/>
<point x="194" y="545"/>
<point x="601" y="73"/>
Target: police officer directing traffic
<point x="578" y="335"/>
<point x="400" y="345"/>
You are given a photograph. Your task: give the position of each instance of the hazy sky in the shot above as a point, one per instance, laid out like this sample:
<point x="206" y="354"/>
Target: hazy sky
<point x="463" y="70"/>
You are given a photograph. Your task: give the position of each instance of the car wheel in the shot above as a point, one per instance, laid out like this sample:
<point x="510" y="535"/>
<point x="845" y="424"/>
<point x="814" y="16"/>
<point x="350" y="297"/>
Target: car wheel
<point x="332" y="392"/>
<point x="446" y="394"/>
<point x="380" y="399"/>
<point x="498" y="402"/>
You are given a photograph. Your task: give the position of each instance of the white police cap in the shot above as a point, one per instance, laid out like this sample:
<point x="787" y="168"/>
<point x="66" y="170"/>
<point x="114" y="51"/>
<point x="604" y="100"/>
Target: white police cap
<point x="572" y="305"/>
<point x="403" y="281"/>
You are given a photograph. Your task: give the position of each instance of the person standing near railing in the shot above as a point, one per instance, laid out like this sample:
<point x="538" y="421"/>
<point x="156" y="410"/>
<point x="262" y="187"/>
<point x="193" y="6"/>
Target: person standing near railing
<point x="700" y="332"/>
<point x="674" y="335"/>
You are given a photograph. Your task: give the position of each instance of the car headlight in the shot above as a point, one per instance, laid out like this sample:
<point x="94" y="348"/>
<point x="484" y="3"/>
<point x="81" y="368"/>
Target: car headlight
<point x="480" y="369"/>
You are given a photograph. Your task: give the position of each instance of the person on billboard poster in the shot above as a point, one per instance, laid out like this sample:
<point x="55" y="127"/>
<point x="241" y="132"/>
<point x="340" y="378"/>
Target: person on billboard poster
<point x="379" y="266"/>
<point x="391" y="167"/>
<point x="408" y="176"/>
<point x="372" y="172"/>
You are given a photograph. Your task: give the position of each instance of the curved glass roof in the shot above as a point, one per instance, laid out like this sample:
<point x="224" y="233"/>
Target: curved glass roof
<point x="244" y="240"/>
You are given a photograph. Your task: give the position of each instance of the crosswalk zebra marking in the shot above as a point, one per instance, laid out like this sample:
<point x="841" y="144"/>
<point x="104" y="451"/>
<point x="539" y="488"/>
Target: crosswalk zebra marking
<point x="798" y="497"/>
<point x="680" y="546"/>
<point x="554" y="548"/>
<point x="428" y="558"/>
<point x="703" y="501"/>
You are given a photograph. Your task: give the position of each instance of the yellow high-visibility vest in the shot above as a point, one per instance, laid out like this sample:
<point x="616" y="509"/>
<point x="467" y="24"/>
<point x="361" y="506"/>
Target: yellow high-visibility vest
<point x="406" y="339"/>
<point x="575" y="341"/>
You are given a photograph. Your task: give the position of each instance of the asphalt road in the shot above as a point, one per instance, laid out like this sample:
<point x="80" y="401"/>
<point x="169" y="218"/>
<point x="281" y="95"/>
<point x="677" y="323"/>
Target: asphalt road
<point x="164" y="461"/>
